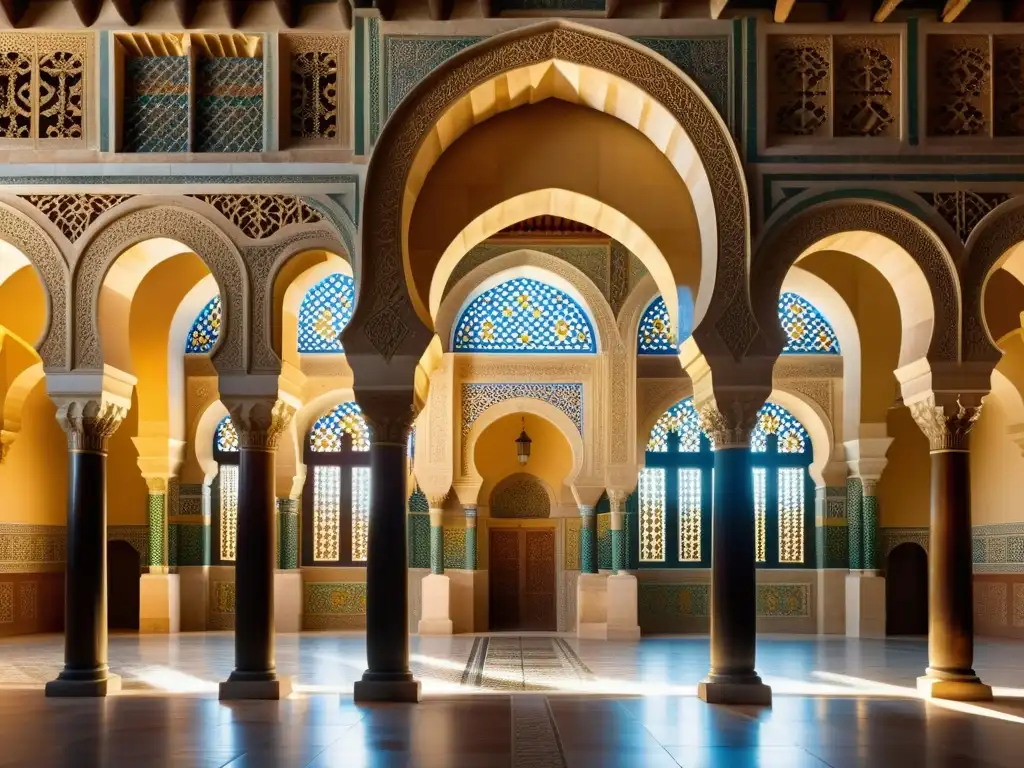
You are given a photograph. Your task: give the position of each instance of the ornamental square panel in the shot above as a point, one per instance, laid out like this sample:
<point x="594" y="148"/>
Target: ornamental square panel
<point x="799" y="86"/>
<point x="1008" y="84"/>
<point x="229" y="105"/>
<point x="867" y="85"/>
<point x="783" y="600"/>
<point x="317" y="72"/>
<point x="959" y="80"/>
<point x="334" y="598"/>
<point x="156" y="104"/>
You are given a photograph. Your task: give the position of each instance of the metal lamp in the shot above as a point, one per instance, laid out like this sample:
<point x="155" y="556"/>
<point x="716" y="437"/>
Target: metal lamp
<point x="523" y="443"/>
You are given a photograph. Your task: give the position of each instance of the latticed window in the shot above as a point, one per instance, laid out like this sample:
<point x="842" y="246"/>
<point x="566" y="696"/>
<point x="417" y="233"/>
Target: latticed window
<point x="325" y="311"/>
<point x="524" y="315"/>
<point x="336" y="498"/>
<point x="655" y="335"/>
<point x="225" y="492"/>
<point x="807" y="330"/>
<point x="676" y="485"/>
<point x="205" y="330"/>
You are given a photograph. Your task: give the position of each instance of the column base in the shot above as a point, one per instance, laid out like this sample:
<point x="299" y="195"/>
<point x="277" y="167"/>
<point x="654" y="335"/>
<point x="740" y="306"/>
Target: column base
<point x="436" y="605"/>
<point x="755" y="694"/>
<point x="865" y="605"/>
<point x="277" y="688"/>
<point x="288" y="601"/>
<point x="592" y="606"/>
<point x="83" y="688"/>
<point x="966" y="689"/>
<point x="159" y="603"/>
<point x="402" y="691"/>
<point x="622" y="607"/>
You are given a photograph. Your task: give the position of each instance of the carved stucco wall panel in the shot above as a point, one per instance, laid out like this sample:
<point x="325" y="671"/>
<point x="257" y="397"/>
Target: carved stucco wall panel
<point x="385" y="320"/>
<point x="778" y="252"/>
<point x="29" y="237"/>
<point x="190" y="229"/>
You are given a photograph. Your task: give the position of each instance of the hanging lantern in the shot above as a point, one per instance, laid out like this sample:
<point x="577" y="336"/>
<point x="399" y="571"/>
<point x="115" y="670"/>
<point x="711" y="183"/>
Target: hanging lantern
<point x="523" y="445"/>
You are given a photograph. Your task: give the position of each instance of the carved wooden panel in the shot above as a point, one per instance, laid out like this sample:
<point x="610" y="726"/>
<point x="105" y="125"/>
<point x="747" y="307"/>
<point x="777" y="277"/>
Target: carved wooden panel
<point x="316" y="109"/>
<point x="1008" y="76"/>
<point x="959" y="85"/>
<point x="504" y="578"/>
<point x="799" y="88"/>
<point x="867" y="82"/>
<point x="537" y="606"/>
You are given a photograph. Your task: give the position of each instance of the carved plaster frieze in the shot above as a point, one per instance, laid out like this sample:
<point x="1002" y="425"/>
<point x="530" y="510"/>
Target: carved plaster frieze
<point x="73" y="214"/>
<point x="498" y="368"/>
<point x="385" y="317"/>
<point x="945" y="422"/>
<point x="261" y="216"/>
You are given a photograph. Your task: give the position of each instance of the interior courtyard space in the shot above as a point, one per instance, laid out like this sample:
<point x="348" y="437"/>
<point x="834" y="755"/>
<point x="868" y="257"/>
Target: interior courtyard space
<point x="507" y="699"/>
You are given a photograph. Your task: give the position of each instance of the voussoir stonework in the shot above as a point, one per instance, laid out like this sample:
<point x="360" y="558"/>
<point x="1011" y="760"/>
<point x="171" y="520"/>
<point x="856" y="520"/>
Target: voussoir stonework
<point x="778" y="254"/>
<point x="188" y="228"/>
<point x="385" y="316"/>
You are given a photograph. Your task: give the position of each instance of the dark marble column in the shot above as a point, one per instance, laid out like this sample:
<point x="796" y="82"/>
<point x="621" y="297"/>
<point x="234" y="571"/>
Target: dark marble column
<point x="259" y="424"/>
<point x="388" y="676"/>
<point x="733" y="679"/>
<point x="950" y="673"/>
<point x="89" y="425"/>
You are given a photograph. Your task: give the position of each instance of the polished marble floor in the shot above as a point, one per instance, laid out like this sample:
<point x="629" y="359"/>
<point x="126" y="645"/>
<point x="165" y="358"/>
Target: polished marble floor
<point x="532" y="701"/>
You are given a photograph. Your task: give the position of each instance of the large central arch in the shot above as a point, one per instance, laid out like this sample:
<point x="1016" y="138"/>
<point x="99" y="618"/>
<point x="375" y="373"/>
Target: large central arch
<point x="499" y="74"/>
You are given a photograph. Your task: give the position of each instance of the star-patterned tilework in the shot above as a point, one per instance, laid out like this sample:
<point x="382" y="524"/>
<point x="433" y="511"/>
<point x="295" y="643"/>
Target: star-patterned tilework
<point x="325" y="311"/>
<point x="325" y="436"/>
<point x="655" y="335"/>
<point x="205" y="330"/>
<point x="807" y="330"/>
<point x="682" y="419"/>
<point x="226" y="439"/>
<point x="775" y="420"/>
<point x="524" y="315"/>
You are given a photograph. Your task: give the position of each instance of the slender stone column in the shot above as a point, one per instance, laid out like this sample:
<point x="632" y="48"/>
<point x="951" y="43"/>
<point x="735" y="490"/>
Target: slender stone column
<point x="388" y="676"/>
<point x="588" y="539"/>
<point x="869" y="524"/>
<point x="259" y="423"/>
<point x="156" y="508"/>
<point x="950" y="674"/>
<point x="617" y="502"/>
<point x="287" y="534"/>
<point x="436" y="537"/>
<point x="732" y="679"/>
<point x="854" y="520"/>
<point x="470" y="538"/>
<point x="89" y="422"/>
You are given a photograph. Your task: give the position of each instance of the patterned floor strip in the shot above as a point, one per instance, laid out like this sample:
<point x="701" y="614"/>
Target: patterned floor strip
<point x="531" y="663"/>
<point x="535" y="742"/>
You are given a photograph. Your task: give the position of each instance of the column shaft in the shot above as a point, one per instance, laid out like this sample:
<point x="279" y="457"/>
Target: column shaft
<point x="436" y="541"/>
<point x="254" y="566"/>
<point x="85" y="575"/>
<point x="588" y="539"/>
<point x="617" y="503"/>
<point x="733" y="573"/>
<point x="156" y="510"/>
<point x="288" y="534"/>
<point x="869" y="528"/>
<point x="387" y="586"/>
<point x="471" y="538"/>
<point x="951" y="609"/>
<point x="854" y="521"/>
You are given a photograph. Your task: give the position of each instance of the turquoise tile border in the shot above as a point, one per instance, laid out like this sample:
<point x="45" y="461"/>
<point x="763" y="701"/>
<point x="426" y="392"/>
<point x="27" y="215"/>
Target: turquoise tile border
<point x="360" y="78"/>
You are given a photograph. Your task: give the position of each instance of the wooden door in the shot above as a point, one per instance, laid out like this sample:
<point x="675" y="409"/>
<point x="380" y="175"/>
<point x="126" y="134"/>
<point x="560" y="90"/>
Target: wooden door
<point x="522" y="579"/>
<point x="123" y="573"/>
<point x="906" y="591"/>
<point x="504" y="578"/>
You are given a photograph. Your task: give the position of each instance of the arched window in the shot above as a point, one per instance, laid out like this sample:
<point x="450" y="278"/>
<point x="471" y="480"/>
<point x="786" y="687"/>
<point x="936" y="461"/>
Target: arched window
<point x="675" y="491"/>
<point x="655" y="335"/>
<point x="524" y="315"/>
<point x="225" y="492"/>
<point x="336" y="498"/>
<point x="205" y="329"/>
<point x="325" y="311"/>
<point x="807" y="330"/>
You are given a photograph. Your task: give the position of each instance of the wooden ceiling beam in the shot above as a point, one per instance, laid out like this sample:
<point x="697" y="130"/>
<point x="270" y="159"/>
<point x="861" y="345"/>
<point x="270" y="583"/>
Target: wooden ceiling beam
<point x="487" y="8"/>
<point x="666" y="9"/>
<point x="611" y="8"/>
<point x="88" y="10"/>
<point x="954" y="8"/>
<point x="782" y="10"/>
<point x="440" y="10"/>
<point x="186" y="11"/>
<point x="14" y="10"/>
<point x="717" y="6"/>
<point x="885" y="9"/>
<point x="236" y="12"/>
<point x="290" y="12"/>
<point x="1013" y="10"/>
<point x="345" y="6"/>
<point x="386" y="8"/>
<point x="129" y="10"/>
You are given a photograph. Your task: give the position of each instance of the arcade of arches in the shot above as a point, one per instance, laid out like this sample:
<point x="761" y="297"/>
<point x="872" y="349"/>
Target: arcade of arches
<point x="300" y="406"/>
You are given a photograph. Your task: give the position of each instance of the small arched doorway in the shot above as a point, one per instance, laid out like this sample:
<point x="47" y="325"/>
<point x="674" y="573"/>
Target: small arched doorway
<point x="123" y="572"/>
<point x="906" y="590"/>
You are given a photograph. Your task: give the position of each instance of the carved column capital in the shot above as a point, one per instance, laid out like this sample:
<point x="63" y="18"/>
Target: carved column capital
<point x="617" y="500"/>
<point x="6" y="438"/>
<point x="89" y="422"/>
<point x="945" y="421"/>
<point x="259" y="421"/>
<point x="390" y="414"/>
<point x="156" y="485"/>
<point x="729" y="421"/>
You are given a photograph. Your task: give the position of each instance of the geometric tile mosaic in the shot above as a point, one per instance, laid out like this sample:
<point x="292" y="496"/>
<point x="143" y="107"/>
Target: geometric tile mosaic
<point x="571" y="545"/>
<point x="6" y="602"/>
<point x="32" y="548"/>
<point x="419" y="541"/>
<point x="991" y="600"/>
<point x="998" y="548"/>
<point x="455" y="547"/>
<point x="477" y="398"/>
<point x="324" y="312"/>
<point x="784" y="600"/>
<point x="223" y="597"/>
<point x="28" y="599"/>
<point x="229" y="105"/>
<point x="334" y="598"/>
<point x="156" y="104"/>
